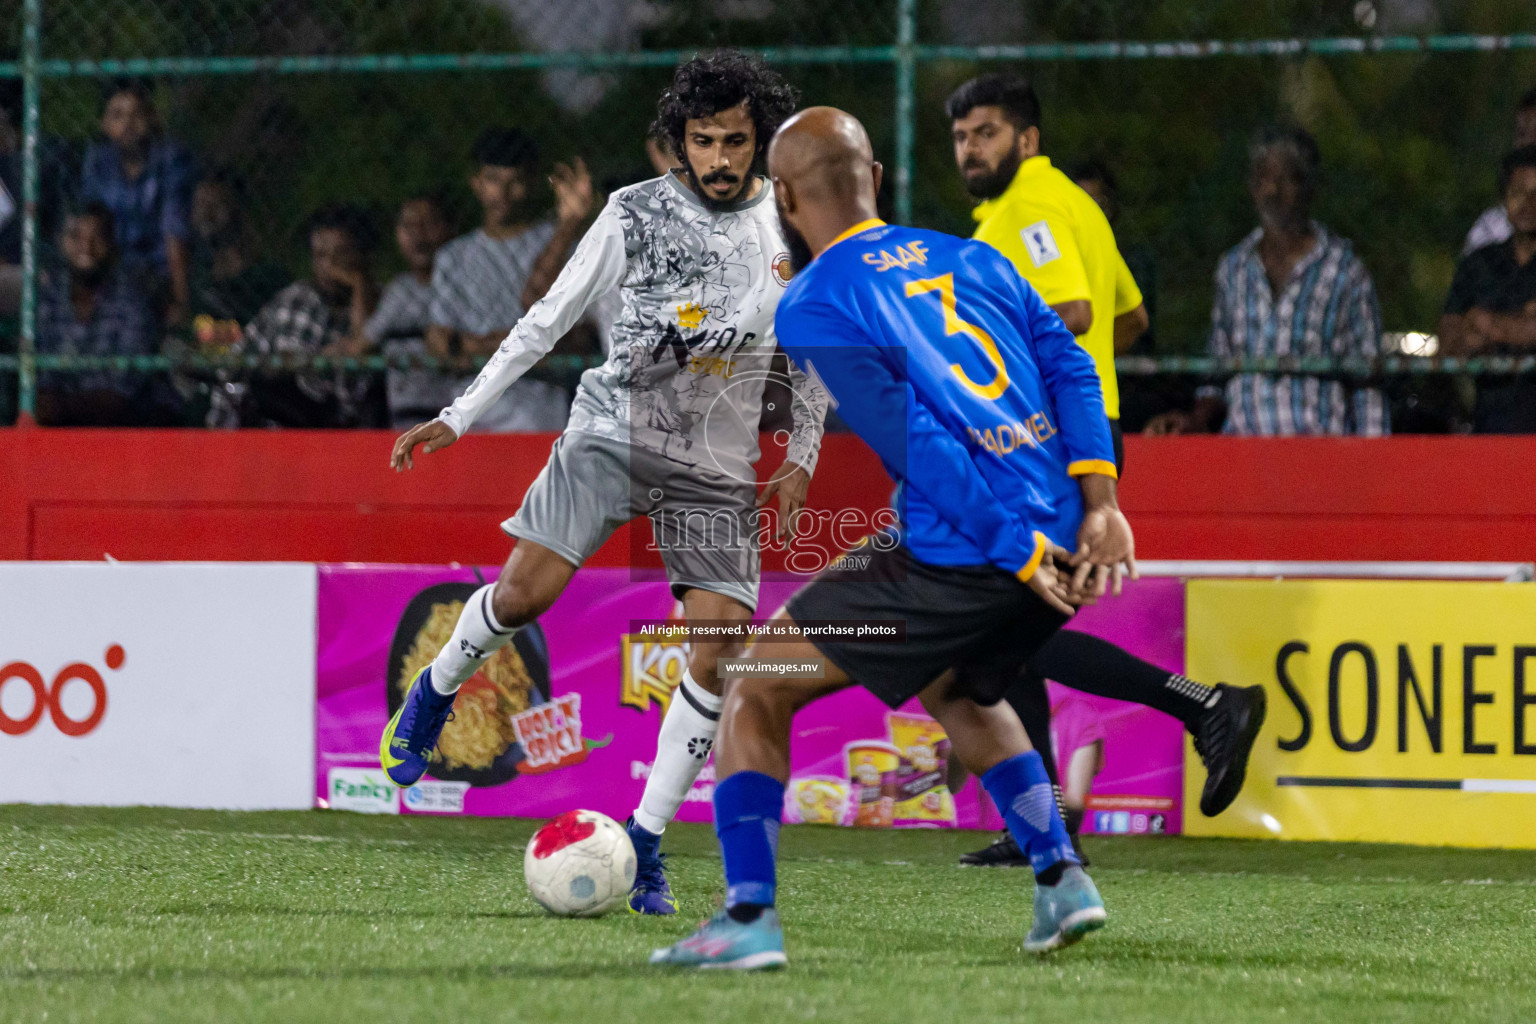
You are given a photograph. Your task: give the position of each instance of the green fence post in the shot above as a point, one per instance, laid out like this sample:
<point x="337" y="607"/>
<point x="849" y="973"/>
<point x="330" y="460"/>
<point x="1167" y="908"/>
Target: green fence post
<point x="906" y="103"/>
<point x="32" y="15"/>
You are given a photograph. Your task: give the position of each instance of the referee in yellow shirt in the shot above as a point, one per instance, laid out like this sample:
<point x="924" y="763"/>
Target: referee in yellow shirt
<point x="1061" y="243"/>
<point x="1050" y="229"/>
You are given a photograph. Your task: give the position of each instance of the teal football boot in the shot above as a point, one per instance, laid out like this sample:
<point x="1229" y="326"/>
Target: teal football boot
<point x="727" y="944"/>
<point x="1065" y="912"/>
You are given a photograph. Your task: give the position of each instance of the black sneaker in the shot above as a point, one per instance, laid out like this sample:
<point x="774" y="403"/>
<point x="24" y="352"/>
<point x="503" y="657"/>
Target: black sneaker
<point x="1223" y="739"/>
<point x="1005" y="853"/>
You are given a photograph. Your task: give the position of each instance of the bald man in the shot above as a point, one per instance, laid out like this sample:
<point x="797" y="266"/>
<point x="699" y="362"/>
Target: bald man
<point x="989" y="416"/>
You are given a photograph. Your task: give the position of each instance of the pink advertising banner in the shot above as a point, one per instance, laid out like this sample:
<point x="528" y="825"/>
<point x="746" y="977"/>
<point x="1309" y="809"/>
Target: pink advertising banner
<point x="568" y="715"/>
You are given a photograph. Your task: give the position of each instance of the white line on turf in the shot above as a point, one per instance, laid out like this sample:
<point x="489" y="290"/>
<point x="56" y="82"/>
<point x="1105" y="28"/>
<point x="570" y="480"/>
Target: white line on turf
<point x="298" y="836"/>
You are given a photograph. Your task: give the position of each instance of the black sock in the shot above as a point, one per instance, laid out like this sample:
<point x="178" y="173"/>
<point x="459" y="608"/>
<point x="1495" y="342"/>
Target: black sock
<point x="1096" y="666"/>
<point x="1052" y="874"/>
<point x="1073" y="820"/>
<point x="1032" y="704"/>
<point x="746" y="913"/>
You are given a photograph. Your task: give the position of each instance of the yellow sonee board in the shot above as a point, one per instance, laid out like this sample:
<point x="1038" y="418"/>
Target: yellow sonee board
<point x="1399" y="712"/>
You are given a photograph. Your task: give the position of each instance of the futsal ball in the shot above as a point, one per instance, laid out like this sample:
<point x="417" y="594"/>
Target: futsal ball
<point x="581" y="864"/>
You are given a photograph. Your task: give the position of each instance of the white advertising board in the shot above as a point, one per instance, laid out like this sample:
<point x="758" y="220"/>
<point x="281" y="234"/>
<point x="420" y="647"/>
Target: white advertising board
<point x="175" y="684"/>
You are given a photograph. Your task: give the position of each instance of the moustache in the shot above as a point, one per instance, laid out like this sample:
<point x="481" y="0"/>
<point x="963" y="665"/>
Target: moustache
<point x="720" y="178"/>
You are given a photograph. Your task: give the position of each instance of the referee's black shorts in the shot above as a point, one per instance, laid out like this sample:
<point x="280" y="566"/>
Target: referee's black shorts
<point x="977" y="619"/>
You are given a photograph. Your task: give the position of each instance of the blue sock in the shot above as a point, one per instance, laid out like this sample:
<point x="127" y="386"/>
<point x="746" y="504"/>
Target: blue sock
<point x="1022" y="789"/>
<point x="748" y="806"/>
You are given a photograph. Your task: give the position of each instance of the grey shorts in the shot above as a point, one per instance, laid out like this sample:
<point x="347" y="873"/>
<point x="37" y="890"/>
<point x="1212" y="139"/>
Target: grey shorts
<point x="703" y="522"/>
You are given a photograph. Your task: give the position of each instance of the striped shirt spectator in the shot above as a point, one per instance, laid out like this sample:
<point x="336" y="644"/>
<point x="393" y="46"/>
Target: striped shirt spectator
<point x="1326" y="309"/>
<point x="484" y="281"/>
<point x="398" y="328"/>
<point x="477" y="285"/>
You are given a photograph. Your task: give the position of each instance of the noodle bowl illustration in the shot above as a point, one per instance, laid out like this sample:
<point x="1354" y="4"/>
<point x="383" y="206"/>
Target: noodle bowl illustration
<point x="479" y="744"/>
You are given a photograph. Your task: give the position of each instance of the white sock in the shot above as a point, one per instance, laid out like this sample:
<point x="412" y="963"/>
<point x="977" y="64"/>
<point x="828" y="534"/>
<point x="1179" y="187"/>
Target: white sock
<point x="687" y="736"/>
<point x="477" y="636"/>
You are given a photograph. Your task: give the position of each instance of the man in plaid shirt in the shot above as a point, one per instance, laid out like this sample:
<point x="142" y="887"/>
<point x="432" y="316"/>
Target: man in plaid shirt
<point x="1292" y="288"/>
<point x="322" y="315"/>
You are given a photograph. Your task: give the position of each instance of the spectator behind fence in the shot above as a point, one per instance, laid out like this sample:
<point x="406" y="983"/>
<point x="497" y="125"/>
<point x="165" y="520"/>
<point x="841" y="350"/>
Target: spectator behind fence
<point x="146" y="180"/>
<point x="484" y="281"/>
<point x="228" y="283"/>
<point x="93" y="306"/>
<point x="321" y="315"/>
<point x="1294" y="289"/>
<point x="1491" y="308"/>
<point x="10" y="198"/>
<point x="53" y="191"/>
<point x="1141" y="397"/>
<point x="1493" y="226"/>
<point x="399" y="326"/>
<point x="1095" y="178"/>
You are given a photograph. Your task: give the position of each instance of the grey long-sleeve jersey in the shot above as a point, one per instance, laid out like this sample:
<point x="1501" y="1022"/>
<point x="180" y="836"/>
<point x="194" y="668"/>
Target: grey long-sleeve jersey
<point x="694" y="341"/>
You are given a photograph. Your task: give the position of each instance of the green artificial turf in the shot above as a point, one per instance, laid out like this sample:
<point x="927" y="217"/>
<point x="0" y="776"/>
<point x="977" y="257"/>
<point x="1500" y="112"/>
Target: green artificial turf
<point x="162" y="915"/>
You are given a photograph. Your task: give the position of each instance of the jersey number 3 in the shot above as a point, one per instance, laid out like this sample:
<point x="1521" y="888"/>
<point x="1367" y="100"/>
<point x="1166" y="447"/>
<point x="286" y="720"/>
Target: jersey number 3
<point x="944" y="286"/>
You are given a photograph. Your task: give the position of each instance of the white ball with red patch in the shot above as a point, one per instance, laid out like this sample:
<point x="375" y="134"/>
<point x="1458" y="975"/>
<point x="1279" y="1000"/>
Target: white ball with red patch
<point x="580" y="864"/>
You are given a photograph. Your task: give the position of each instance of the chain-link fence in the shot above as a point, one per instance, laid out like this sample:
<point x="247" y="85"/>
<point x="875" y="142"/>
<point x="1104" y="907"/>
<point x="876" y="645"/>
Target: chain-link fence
<point x="293" y="104"/>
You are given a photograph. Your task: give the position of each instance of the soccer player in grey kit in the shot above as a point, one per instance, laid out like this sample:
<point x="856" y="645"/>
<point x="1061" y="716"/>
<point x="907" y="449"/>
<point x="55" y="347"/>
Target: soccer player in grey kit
<point x="666" y="427"/>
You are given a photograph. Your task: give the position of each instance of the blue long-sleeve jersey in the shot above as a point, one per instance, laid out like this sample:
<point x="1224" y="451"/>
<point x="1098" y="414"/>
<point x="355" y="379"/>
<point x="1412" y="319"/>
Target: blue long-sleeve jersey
<point x="976" y="397"/>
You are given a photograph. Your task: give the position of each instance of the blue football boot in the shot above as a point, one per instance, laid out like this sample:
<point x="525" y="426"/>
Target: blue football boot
<point x="405" y="749"/>
<point x="650" y="894"/>
<point x="727" y="944"/>
<point x="1065" y="912"/>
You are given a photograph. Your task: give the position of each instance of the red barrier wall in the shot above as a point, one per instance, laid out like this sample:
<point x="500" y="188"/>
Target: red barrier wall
<point x="330" y="496"/>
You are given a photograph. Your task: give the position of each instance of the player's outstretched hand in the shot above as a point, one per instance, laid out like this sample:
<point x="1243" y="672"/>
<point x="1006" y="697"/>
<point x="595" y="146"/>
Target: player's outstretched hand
<point x="1106" y="551"/>
<point x="790" y="483"/>
<point x="433" y="435"/>
<point x="1052" y="582"/>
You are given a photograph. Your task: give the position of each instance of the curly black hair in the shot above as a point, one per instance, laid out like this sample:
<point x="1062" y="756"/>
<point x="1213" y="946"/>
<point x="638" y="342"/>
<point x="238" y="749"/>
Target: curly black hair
<point x="712" y="82"/>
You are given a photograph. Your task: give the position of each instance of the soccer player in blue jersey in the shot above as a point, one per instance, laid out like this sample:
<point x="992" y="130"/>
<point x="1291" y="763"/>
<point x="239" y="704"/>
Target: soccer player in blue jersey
<point x="990" y="418"/>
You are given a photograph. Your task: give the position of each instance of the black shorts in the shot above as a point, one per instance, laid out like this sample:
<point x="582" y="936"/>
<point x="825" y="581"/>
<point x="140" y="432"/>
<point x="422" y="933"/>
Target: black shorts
<point x="1118" y="440"/>
<point x="977" y="619"/>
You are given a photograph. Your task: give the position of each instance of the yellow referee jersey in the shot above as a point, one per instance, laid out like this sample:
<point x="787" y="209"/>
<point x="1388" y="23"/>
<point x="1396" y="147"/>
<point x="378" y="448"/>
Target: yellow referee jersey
<point x="1061" y="242"/>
